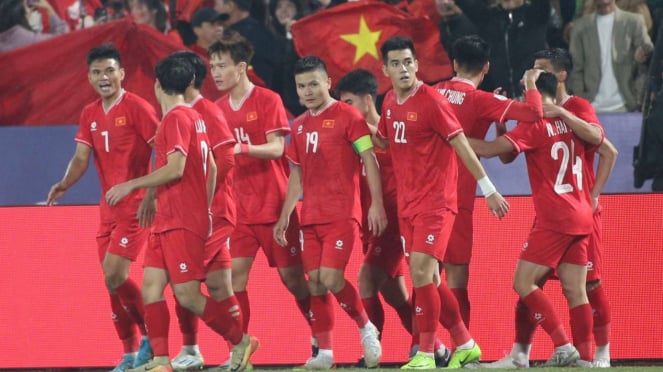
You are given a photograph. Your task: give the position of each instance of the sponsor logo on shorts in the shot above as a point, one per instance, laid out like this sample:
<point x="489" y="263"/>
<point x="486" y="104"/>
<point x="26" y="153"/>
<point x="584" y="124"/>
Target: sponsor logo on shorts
<point x="339" y="244"/>
<point x="124" y="241"/>
<point x="114" y="317"/>
<point x="418" y="310"/>
<point x="293" y="251"/>
<point x="538" y="317"/>
<point x="343" y="305"/>
<point x="525" y="246"/>
<point x="590" y="265"/>
<point x="377" y="251"/>
<point x="430" y="239"/>
<point x="93" y="126"/>
<point x="183" y="268"/>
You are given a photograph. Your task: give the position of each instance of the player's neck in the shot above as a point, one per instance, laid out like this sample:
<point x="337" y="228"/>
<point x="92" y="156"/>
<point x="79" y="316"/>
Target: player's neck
<point x="239" y="91"/>
<point x="191" y="94"/>
<point x="562" y="94"/>
<point x="475" y="79"/>
<point x="326" y="103"/>
<point x="107" y="102"/>
<point x="403" y="93"/>
<point x="168" y="102"/>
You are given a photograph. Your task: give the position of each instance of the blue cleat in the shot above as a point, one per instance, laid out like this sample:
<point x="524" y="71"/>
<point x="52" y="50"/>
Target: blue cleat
<point x="144" y="353"/>
<point x="127" y="362"/>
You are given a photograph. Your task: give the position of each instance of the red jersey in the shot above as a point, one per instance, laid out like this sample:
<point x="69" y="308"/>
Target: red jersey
<point x="322" y="147"/>
<point x="419" y="130"/>
<point x="581" y="108"/>
<point x="476" y="110"/>
<point x="387" y="178"/>
<point x="223" y="204"/>
<point x="120" y="140"/>
<point x="259" y="185"/>
<point x="182" y="203"/>
<point x="554" y="158"/>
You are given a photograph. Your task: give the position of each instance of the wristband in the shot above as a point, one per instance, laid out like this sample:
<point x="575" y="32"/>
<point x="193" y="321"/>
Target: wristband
<point x="244" y="148"/>
<point x="487" y="187"/>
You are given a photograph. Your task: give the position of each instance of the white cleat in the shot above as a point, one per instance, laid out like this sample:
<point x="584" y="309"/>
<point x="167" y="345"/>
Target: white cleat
<point x="509" y="362"/>
<point x="601" y="363"/>
<point x="321" y="361"/>
<point x="371" y="344"/>
<point x="583" y="364"/>
<point x="564" y="356"/>
<point x="185" y="361"/>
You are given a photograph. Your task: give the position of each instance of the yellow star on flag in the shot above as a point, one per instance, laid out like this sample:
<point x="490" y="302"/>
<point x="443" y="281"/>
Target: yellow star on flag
<point x="364" y="41"/>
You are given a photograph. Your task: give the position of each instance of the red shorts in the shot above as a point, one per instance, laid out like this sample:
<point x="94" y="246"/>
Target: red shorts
<point x="124" y="238"/>
<point x="180" y="252"/>
<point x="385" y="251"/>
<point x="595" y="249"/>
<point x="459" y="249"/>
<point x="217" y="249"/>
<point x="247" y="239"/>
<point x="427" y="232"/>
<point x="550" y="248"/>
<point x="329" y="245"/>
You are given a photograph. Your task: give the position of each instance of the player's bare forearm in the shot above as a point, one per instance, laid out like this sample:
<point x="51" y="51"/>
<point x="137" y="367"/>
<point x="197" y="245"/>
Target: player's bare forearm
<point x="585" y="131"/>
<point x="607" y="159"/>
<point x="75" y="170"/>
<point x="211" y="179"/>
<point x="377" y="217"/>
<point x="292" y="195"/>
<point x="379" y="141"/>
<point x="467" y="155"/>
<point x="272" y="149"/>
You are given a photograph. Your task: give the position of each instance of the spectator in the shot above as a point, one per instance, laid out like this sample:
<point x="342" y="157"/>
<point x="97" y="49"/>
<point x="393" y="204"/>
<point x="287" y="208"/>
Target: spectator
<point x="283" y="14"/>
<point x="515" y="29"/>
<point x="153" y="13"/>
<point x="617" y="42"/>
<point x="15" y="31"/>
<point x="240" y="20"/>
<point x="207" y="26"/>
<point x="453" y="24"/>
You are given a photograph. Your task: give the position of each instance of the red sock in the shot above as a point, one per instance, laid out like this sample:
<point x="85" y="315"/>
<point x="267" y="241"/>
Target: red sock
<point x="581" y="329"/>
<point x="415" y="329"/>
<point x="375" y="311"/>
<point x="542" y="311"/>
<point x="427" y="315"/>
<point x="124" y="326"/>
<point x="322" y="320"/>
<point x="243" y="299"/>
<point x="225" y="318"/>
<point x="602" y="315"/>
<point x="525" y="325"/>
<point x="188" y="324"/>
<point x="157" y="320"/>
<point x="133" y="301"/>
<point x="349" y="300"/>
<point x="463" y="304"/>
<point x="405" y="315"/>
<point x="450" y="316"/>
<point x="304" y="306"/>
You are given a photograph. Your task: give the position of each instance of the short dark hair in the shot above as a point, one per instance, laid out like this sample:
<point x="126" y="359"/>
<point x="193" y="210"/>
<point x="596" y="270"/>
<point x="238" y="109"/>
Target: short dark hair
<point x="174" y="74"/>
<point x="559" y="58"/>
<point x="547" y="84"/>
<point x="359" y="82"/>
<point x="236" y="45"/>
<point x="471" y="53"/>
<point x="199" y="67"/>
<point x="104" y="51"/>
<point x="12" y="13"/>
<point x="310" y="63"/>
<point x="396" y="43"/>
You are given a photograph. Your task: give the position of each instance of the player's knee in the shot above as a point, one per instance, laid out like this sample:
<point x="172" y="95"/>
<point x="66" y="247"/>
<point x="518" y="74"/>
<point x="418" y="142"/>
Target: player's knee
<point x="114" y="279"/>
<point x="593" y="285"/>
<point x="185" y="297"/>
<point x="332" y="281"/>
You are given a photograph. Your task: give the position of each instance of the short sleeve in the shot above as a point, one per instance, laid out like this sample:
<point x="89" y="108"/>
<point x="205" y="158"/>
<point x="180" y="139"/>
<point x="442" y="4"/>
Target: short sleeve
<point x="443" y="120"/>
<point x="177" y="134"/>
<point x="525" y="136"/>
<point x="83" y="134"/>
<point x="145" y="121"/>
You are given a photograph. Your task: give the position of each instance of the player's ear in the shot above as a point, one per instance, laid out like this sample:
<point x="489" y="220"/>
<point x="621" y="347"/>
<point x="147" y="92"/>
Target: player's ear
<point x="122" y="74"/>
<point x="384" y="70"/>
<point x="562" y="76"/>
<point x="486" y="68"/>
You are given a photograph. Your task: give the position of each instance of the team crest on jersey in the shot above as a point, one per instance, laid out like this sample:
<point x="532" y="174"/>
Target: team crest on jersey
<point x="328" y="123"/>
<point x="411" y="116"/>
<point x="251" y="116"/>
<point x="121" y="121"/>
<point x="93" y="126"/>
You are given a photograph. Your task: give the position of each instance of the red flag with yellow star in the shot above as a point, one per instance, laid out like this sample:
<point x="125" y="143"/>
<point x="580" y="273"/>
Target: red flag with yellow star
<point x="349" y="36"/>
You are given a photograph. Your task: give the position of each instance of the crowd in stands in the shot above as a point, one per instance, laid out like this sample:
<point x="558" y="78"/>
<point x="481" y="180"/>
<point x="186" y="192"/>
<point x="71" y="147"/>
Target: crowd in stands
<point x="613" y="34"/>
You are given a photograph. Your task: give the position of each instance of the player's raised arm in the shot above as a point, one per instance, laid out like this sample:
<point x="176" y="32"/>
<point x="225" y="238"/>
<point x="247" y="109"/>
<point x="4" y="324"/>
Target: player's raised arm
<point x="272" y="149"/>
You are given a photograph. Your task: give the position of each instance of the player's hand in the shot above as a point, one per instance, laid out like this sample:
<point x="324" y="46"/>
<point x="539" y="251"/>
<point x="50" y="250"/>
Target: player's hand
<point x="500" y="92"/>
<point x="57" y="191"/>
<point x="377" y="219"/>
<point x="118" y="192"/>
<point x="595" y="203"/>
<point x="279" y="231"/>
<point x="498" y="206"/>
<point x="551" y="110"/>
<point x="146" y="211"/>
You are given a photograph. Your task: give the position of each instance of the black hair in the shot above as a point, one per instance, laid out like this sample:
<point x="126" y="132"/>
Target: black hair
<point x="471" y="53"/>
<point x="310" y="63"/>
<point x="174" y="74"/>
<point x="104" y="51"/>
<point x="160" y="17"/>
<point x="359" y="82"/>
<point x="396" y="43"/>
<point x="236" y="45"/>
<point x="560" y="59"/>
<point x="199" y="67"/>
<point x="12" y="13"/>
<point x="547" y="84"/>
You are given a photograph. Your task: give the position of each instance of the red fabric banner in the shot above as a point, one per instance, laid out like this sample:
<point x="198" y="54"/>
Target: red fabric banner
<point x="349" y="36"/>
<point x="46" y="83"/>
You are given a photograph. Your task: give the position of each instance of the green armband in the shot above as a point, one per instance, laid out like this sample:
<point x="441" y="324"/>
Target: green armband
<point x="362" y="144"/>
